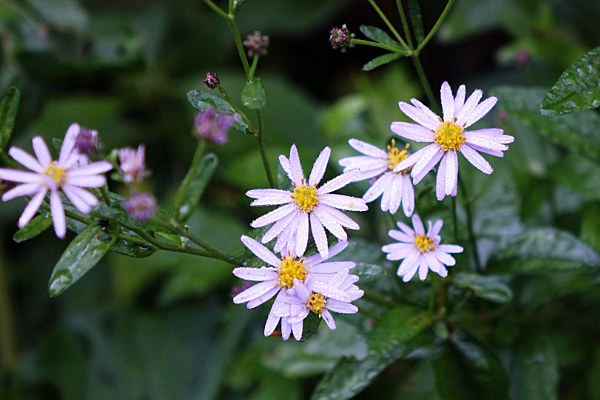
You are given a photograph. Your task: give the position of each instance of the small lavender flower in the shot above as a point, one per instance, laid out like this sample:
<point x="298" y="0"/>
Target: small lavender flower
<point x="65" y="174"/>
<point x="212" y="80"/>
<point x="256" y="43"/>
<point x="133" y="163"/>
<point x="86" y="142"/>
<point x="341" y="38"/>
<point x="214" y="127"/>
<point x="140" y="207"/>
<point x="420" y="251"/>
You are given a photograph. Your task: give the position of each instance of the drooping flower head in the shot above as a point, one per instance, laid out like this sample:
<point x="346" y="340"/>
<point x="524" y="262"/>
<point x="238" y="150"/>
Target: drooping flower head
<point x="420" y="250"/>
<point x="257" y="43"/>
<point x="65" y="174"/>
<point x="393" y="187"/>
<point x="133" y="163"/>
<point x="140" y="206"/>
<point x="341" y="38"/>
<point x="306" y="208"/>
<point x="212" y="126"/>
<point x="282" y="276"/>
<point x="449" y="136"/>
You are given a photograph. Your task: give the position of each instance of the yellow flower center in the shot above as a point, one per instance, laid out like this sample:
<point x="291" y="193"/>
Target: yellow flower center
<point x="424" y="244"/>
<point x="395" y="155"/>
<point x="316" y="303"/>
<point x="291" y="269"/>
<point x="449" y="136"/>
<point x="57" y="173"/>
<point x="306" y="197"/>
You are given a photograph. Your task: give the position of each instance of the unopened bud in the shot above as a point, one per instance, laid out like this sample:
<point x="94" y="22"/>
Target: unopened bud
<point x="341" y="38"/>
<point x="140" y="206"/>
<point x="212" y="80"/>
<point x="86" y="141"/>
<point x="256" y="43"/>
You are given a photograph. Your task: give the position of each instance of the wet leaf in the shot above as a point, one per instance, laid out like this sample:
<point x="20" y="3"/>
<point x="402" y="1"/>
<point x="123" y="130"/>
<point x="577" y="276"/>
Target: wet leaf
<point x="82" y="254"/>
<point x="192" y="187"/>
<point x="398" y="326"/>
<point x="416" y="20"/>
<point x="376" y="34"/>
<point x="577" y="89"/>
<point x="8" y="114"/>
<point x="534" y="370"/>
<point x="310" y="326"/>
<point x="543" y="250"/>
<point x="489" y="287"/>
<point x="202" y="100"/>
<point x="368" y="272"/>
<point x="254" y="95"/>
<point x="381" y="60"/>
<point x="36" y="226"/>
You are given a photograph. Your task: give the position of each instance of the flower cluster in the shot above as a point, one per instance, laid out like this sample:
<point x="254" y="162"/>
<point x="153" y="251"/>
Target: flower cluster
<point x="212" y="126"/>
<point x="341" y="38"/>
<point x="140" y="206"/>
<point x="257" y="43"/>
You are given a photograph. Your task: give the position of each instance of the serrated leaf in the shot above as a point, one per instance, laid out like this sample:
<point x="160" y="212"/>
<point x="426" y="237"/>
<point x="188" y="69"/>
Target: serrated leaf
<point x="376" y="34"/>
<point x="543" y="250"/>
<point x="368" y="272"/>
<point x="254" y="95"/>
<point x="192" y="187"/>
<point x="202" y="100"/>
<point x="489" y="287"/>
<point x="534" y="370"/>
<point x="36" y="226"/>
<point x="381" y="60"/>
<point x="8" y="114"/>
<point x="82" y="254"/>
<point x="577" y="89"/>
<point x="416" y="20"/>
<point x="397" y="326"/>
<point x="578" y="132"/>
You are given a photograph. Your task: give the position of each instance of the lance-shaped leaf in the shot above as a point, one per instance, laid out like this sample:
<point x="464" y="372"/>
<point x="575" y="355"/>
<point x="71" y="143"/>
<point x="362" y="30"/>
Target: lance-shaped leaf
<point x="543" y="250"/>
<point x="398" y="326"/>
<point x="82" y="254"/>
<point x="192" y="187"/>
<point x="489" y="287"/>
<point x="416" y="20"/>
<point x="376" y="34"/>
<point x="381" y="60"/>
<point x="577" y="89"/>
<point x="254" y="95"/>
<point x="202" y="100"/>
<point x="36" y="226"/>
<point x="534" y="369"/>
<point x="8" y="114"/>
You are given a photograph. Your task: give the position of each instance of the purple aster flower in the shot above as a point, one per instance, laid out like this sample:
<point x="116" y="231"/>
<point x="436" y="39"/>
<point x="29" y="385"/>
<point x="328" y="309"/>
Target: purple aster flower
<point x="133" y="163"/>
<point x="377" y="164"/>
<point x="214" y="127"/>
<point x="64" y="175"/>
<point x="420" y="251"/>
<point x="449" y="136"/>
<point x="306" y="208"/>
<point x="140" y="206"/>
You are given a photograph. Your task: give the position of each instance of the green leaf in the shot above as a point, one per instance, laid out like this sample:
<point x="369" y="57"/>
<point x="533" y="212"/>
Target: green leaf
<point x="534" y="369"/>
<point x="578" y="132"/>
<point x="82" y="254"/>
<point x="416" y="19"/>
<point x="36" y="226"/>
<point x="237" y="4"/>
<point x="131" y="249"/>
<point x="376" y="34"/>
<point x="254" y="96"/>
<point x="368" y="272"/>
<point x="192" y="187"/>
<point x="398" y="326"/>
<point x="310" y="326"/>
<point x="489" y="287"/>
<point x="543" y="250"/>
<point x="202" y="100"/>
<point x="8" y="114"/>
<point x="577" y="89"/>
<point x="381" y="60"/>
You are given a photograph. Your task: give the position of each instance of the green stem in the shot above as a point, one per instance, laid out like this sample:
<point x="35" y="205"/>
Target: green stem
<point x="8" y="336"/>
<point x="253" y="67"/>
<point x="404" y="24"/>
<point x="217" y="9"/>
<point x="182" y="191"/>
<point x="231" y="7"/>
<point x="236" y="109"/>
<point x="435" y="27"/>
<point x="379" y="45"/>
<point x="263" y="152"/>
<point x="239" y="45"/>
<point x="105" y="196"/>
<point x="469" y="212"/>
<point x="376" y="298"/>
<point x="425" y="83"/>
<point x="388" y="23"/>
<point x="454" y="219"/>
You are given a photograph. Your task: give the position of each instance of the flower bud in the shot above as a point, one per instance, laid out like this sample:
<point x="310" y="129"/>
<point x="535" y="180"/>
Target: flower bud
<point x="140" y="206"/>
<point x="341" y="38"/>
<point x="133" y="163"/>
<point x="212" y="80"/>
<point x="212" y="126"/>
<point x="86" y="141"/>
<point x="256" y="43"/>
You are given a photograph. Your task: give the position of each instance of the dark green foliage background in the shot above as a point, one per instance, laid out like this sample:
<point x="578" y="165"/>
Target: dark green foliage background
<point x="164" y="326"/>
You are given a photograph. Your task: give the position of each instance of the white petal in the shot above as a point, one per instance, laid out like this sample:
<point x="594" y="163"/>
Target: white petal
<point x="279" y="226"/>
<point x="333" y="251"/>
<point x="302" y="235"/>
<point x="328" y="318"/>
<point x="92" y="181"/>
<point x="296" y="167"/>
<point x="401" y="236"/>
<point x="450" y="248"/>
<point x="408" y="161"/>
<point x="77" y="201"/>
<point x="396" y="193"/>
<point x="425" y="110"/>
<point x="363" y="163"/>
<point x="340" y="217"/>
<point x="41" y="152"/>
<point x="95" y="168"/>
<point x="318" y="233"/>
<point x="253" y="292"/>
<point x="451" y="171"/>
<point x="418" y="225"/>
<point x="428" y="158"/>
<point x="256" y="274"/>
<point x="25" y="159"/>
<point x="285" y="165"/>
<point x="341" y="307"/>
<point x="25" y="189"/>
<point x="409" y="266"/>
<point x="468" y="107"/>
<point x="343" y="202"/>
<point x="408" y="196"/>
<point x="482" y="109"/>
<point x="440" y="182"/>
<point x="330" y="223"/>
<point x="301" y="291"/>
<point x="368" y="149"/>
<point x="435" y="229"/>
<point x="331" y="267"/>
<point x="376" y="188"/>
<point x="68" y="144"/>
<point x="31" y="208"/>
<point x="14" y="175"/>
<point x="423" y="268"/>
<point x="260" y="251"/>
<point x="410" y="131"/>
<point x="297" y="330"/>
<point x="58" y="214"/>
<point x="419" y="116"/>
<point x="477" y="160"/>
<point x="447" y="102"/>
<point x="318" y="169"/>
<point x="269" y="197"/>
<point x="337" y="183"/>
<point x="273" y="216"/>
<point x="459" y="100"/>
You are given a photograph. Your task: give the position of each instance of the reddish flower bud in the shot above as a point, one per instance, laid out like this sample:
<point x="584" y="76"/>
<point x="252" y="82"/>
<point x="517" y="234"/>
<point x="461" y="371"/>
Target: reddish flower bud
<point x="212" y="80"/>
<point x="341" y="38"/>
<point x="256" y="43"/>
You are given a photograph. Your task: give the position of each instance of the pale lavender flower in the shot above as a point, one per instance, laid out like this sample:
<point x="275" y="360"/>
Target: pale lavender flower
<point x="393" y="187"/>
<point x="420" y="251"/>
<point x="306" y="205"/>
<point x="133" y="163"/>
<point x="214" y="127"/>
<point x="281" y="276"/>
<point x="449" y="136"/>
<point x="140" y="206"/>
<point x="64" y="175"/>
